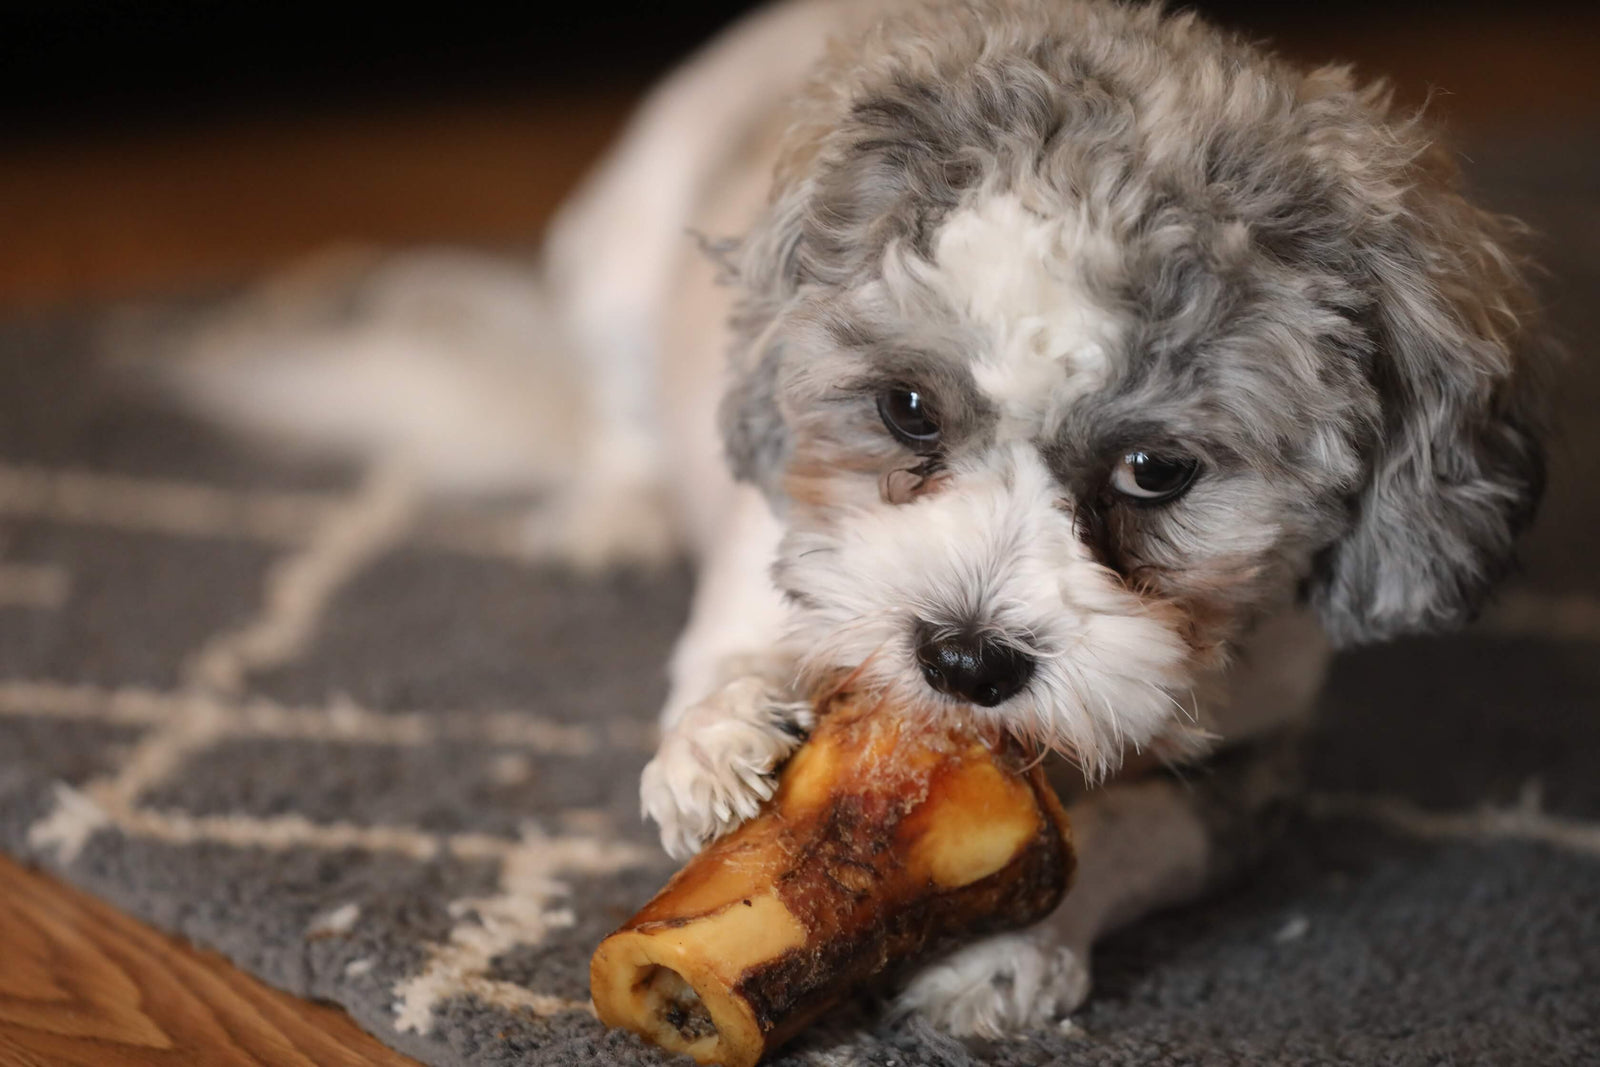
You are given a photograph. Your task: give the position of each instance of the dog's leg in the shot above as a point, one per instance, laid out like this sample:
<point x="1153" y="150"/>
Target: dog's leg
<point x="731" y="717"/>
<point x="603" y="264"/>
<point x="1140" y="846"/>
<point x="614" y="261"/>
<point x="1143" y="845"/>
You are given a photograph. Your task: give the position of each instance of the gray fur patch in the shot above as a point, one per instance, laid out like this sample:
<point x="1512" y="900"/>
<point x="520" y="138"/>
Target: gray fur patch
<point x="1312" y="307"/>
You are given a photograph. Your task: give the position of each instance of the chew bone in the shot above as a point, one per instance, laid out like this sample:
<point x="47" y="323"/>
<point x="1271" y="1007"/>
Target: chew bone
<point x="887" y="838"/>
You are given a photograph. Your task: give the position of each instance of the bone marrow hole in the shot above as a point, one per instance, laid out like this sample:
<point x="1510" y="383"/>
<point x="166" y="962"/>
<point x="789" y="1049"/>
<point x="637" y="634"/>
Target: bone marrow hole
<point x="675" y="1005"/>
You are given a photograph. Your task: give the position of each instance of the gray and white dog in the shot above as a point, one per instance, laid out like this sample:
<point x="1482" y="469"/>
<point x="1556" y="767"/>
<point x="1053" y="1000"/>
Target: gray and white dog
<point x="1094" y="373"/>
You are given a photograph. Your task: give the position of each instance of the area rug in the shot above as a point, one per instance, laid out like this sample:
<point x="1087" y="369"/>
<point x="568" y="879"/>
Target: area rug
<point x="346" y="737"/>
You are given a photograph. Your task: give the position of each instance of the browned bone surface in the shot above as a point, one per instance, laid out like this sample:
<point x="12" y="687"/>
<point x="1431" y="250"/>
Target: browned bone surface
<point x="886" y="839"/>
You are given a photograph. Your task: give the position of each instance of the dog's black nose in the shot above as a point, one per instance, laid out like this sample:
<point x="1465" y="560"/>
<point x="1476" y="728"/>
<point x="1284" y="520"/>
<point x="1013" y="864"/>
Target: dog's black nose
<point x="974" y="668"/>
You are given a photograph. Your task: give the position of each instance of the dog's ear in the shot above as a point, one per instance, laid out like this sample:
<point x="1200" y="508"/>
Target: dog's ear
<point x="768" y="267"/>
<point x="764" y="267"/>
<point x="754" y="435"/>
<point x="1458" y="465"/>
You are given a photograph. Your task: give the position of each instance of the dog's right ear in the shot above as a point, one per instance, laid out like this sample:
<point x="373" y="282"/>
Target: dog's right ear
<point x="754" y="436"/>
<point x="840" y="179"/>
<point x="765" y="268"/>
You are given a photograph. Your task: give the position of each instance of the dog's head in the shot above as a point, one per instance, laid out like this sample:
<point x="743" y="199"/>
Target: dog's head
<point x="1076" y="338"/>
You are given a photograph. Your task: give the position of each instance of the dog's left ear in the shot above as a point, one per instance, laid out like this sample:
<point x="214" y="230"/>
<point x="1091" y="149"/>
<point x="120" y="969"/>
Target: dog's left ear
<point x="1458" y="465"/>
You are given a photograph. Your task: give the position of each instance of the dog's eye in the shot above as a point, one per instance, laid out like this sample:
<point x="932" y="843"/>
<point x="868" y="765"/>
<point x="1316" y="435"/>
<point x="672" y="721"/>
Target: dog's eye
<point x="1153" y="479"/>
<point x="906" y="415"/>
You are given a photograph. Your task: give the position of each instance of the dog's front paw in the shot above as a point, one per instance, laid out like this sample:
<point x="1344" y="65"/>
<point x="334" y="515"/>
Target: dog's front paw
<point x="1001" y="986"/>
<point x="715" y="766"/>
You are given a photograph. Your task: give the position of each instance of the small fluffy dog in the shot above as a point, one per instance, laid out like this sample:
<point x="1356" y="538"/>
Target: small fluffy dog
<point x="1089" y="365"/>
<point x="1093" y="373"/>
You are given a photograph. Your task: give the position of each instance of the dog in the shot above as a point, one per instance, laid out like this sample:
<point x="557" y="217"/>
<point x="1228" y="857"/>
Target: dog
<point x="1074" y="366"/>
<point x="1094" y="373"/>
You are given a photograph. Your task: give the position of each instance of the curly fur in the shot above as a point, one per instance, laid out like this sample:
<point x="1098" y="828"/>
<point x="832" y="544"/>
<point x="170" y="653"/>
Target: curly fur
<point x="1282" y="277"/>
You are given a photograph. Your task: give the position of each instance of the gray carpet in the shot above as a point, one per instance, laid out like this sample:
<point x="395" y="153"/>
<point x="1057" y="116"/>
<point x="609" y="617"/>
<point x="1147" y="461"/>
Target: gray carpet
<point x="293" y="714"/>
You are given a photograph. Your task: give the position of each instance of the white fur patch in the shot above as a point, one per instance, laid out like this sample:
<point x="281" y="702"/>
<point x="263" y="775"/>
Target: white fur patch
<point x="996" y="988"/>
<point x="992" y="549"/>
<point x="1018" y="278"/>
<point x="444" y="360"/>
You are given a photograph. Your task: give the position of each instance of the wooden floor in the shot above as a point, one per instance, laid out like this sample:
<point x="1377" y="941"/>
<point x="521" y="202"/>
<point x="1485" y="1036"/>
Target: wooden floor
<point x="125" y="216"/>
<point x="167" y="210"/>
<point x="83" y="984"/>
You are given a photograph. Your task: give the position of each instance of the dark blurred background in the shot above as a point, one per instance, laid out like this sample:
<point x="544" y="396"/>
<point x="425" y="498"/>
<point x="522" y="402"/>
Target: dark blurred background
<point x="149" y="147"/>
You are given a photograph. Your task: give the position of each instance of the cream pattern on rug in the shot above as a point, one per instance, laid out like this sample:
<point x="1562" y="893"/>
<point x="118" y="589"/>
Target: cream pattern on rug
<point x="349" y="737"/>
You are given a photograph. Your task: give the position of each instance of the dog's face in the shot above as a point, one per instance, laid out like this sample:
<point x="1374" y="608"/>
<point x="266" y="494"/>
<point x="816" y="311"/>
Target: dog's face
<point x="1077" y="340"/>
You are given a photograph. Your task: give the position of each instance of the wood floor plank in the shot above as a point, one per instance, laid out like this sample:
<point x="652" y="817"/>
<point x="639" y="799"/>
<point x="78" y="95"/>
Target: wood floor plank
<point x="82" y="985"/>
<point x="170" y="210"/>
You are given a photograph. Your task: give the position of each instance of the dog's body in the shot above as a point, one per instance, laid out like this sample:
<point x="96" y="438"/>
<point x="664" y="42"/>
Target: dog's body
<point x="1072" y="229"/>
<point x="1088" y="366"/>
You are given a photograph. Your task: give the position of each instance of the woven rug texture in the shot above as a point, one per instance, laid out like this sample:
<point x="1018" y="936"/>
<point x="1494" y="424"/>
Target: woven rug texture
<point x="293" y="712"/>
